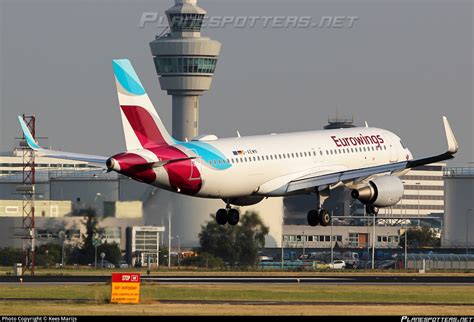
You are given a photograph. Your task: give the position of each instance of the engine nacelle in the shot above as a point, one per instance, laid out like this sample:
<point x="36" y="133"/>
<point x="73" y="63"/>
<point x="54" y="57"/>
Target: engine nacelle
<point x="383" y="191"/>
<point x="244" y="201"/>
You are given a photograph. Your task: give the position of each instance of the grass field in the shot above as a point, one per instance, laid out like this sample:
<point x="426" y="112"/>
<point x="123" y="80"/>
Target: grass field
<point x="362" y="299"/>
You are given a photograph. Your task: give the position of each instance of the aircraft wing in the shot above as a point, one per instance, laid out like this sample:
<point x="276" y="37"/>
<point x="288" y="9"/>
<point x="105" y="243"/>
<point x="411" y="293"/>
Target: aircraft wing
<point x="362" y="173"/>
<point x="92" y="159"/>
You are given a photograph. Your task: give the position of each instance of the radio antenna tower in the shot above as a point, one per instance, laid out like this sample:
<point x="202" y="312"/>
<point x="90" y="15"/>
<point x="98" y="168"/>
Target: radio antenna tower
<point x="27" y="190"/>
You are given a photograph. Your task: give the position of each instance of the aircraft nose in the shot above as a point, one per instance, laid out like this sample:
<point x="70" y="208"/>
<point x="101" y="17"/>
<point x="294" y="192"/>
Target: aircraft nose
<point x="112" y="164"/>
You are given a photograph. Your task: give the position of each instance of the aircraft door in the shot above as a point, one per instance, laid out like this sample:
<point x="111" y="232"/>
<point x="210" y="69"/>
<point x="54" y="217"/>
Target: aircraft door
<point x="393" y="150"/>
<point x="320" y="155"/>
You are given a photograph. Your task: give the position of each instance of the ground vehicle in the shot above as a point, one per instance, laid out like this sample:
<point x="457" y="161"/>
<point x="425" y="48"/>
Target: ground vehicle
<point x="106" y="264"/>
<point x="265" y="258"/>
<point x="338" y="264"/>
<point x="320" y="265"/>
<point x="351" y="259"/>
<point x="122" y="264"/>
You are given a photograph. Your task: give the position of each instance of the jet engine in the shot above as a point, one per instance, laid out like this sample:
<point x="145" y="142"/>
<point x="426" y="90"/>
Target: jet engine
<point x="383" y="191"/>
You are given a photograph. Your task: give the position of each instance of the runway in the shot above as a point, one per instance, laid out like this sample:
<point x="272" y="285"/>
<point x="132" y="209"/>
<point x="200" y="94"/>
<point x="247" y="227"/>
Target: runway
<point x="290" y="279"/>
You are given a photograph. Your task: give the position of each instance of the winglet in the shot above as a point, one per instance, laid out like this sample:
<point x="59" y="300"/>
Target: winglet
<point x="453" y="146"/>
<point x="29" y="138"/>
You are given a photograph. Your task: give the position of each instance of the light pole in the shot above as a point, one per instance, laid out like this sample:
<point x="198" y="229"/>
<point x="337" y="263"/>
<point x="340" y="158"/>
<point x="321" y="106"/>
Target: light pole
<point x="169" y="239"/>
<point x="406" y="243"/>
<point x="95" y="243"/>
<point x="304" y="242"/>
<point x="368" y="234"/>
<point x="401" y="200"/>
<point x="98" y="194"/>
<point x="282" y="251"/>
<point x="418" y="189"/>
<point x="373" y="242"/>
<point x="332" y="243"/>
<point x="179" y="247"/>
<point x="406" y="230"/>
<point x="467" y="231"/>
<point x="62" y="236"/>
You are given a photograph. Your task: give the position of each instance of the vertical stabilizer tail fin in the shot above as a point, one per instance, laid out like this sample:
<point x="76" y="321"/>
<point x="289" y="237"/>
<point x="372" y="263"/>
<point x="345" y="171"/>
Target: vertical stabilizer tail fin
<point x="142" y="126"/>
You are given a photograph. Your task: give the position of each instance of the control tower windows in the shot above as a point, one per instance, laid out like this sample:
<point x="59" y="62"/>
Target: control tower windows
<point x="168" y="65"/>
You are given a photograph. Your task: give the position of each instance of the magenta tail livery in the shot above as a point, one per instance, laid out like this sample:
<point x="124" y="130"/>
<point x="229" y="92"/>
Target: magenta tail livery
<point x="242" y="171"/>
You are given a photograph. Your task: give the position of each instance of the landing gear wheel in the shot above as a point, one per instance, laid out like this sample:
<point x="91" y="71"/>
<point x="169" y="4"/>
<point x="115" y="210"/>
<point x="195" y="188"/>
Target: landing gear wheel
<point x="324" y="218"/>
<point x="312" y="217"/>
<point x="221" y="216"/>
<point x="233" y="217"/>
<point x="371" y="210"/>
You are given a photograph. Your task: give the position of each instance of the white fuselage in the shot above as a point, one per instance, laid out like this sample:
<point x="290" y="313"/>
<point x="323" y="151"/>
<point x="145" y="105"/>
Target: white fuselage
<point x="263" y="165"/>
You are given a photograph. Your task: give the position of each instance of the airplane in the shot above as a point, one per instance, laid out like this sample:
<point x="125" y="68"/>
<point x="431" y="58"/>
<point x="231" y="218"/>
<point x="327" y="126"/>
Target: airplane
<point x="242" y="171"/>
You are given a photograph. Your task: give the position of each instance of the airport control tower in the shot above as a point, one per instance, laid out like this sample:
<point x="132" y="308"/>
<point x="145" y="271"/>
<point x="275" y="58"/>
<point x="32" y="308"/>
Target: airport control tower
<point x="185" y="63"/>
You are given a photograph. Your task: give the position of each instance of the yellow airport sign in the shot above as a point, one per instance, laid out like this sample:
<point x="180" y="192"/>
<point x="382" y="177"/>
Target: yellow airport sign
<point x="125" y="288"/>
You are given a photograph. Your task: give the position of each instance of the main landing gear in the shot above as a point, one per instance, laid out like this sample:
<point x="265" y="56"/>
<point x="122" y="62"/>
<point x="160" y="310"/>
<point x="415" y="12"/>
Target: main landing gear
<point x="371" y="210"/>
<point x="227" y="215"/>
<point x="319" y="215"/>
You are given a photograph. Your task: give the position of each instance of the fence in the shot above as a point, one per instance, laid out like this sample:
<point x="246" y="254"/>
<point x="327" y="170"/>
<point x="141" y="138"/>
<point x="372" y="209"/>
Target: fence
<point x="440" y="261"/>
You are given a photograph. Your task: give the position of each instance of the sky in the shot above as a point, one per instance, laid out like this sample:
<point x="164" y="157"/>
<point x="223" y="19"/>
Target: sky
<point x="401" y="66"/>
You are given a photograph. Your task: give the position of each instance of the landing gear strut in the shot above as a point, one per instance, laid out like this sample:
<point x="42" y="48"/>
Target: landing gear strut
<point x="319" y="215"/>
<point x="227" y="215"/>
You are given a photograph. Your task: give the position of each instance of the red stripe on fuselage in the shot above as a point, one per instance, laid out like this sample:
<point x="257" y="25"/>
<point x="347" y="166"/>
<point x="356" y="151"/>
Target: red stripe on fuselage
<point x="182" y="174"/>
<point x="135" y="167"/>
<point x="144" y="126"/>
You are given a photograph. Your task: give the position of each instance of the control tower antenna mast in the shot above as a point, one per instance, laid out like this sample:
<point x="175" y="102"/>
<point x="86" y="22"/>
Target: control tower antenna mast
<point x="185" y="63"/>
